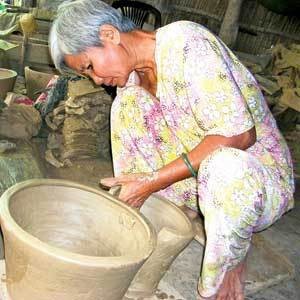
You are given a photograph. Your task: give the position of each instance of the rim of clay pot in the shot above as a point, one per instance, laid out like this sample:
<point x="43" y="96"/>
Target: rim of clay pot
<point x="164" y="201"/>
<point x="31" y="241"/>
<point x="10" y="73"/>
<point x="41" y="70"/>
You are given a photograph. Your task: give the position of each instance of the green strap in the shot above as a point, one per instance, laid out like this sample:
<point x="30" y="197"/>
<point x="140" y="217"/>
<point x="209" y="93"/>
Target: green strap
<point x="188" y="164"/>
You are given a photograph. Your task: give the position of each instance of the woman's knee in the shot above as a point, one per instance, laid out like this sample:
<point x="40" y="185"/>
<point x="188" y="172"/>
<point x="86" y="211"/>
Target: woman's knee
<point x="224" y="164"/>
<point x="231" y="180"/>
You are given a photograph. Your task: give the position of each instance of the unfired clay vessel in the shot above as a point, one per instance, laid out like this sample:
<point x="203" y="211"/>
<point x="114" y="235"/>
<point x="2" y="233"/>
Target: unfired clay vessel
<point x="36" y="80"/>
<point x="174" y="232"/>
<point x="66" y="241"/>
<point x="7" y="81"/>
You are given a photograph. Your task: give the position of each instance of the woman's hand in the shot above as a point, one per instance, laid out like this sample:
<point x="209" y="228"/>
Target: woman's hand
<point x="135" y="188"/>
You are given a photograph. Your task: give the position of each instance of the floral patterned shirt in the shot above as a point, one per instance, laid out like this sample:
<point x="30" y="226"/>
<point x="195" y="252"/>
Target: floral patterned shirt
<point x="198" y="76"/>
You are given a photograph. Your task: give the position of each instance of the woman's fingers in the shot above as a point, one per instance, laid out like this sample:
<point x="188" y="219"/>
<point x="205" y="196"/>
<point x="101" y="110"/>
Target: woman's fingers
<point x="128" y="194"/>
<point x="110" y="182"/>
<point x="123" y="194"/>
<point x="135" y="188"/>
<point x="135" y="203"/>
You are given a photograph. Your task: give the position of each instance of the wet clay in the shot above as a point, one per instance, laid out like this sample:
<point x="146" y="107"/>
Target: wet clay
<point x="20" y="121"/>
<point x="174" y="232"/>
<point x="67" y="241"/>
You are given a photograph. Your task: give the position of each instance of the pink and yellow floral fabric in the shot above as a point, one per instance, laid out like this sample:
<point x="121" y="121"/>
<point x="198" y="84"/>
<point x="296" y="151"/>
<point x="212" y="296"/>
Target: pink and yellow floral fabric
<point x="203" y="89"/>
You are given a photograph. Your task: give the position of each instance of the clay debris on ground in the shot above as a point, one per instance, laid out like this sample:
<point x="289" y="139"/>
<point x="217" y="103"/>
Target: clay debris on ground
<point x="19" y="121"/>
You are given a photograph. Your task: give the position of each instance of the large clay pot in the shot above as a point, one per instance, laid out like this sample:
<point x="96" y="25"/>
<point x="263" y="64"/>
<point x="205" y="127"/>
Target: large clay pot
<point x="66" y="241"/>
<point x="7" y="81"/>
<point x="174" y="232"/>
<point x="37" y="79"/>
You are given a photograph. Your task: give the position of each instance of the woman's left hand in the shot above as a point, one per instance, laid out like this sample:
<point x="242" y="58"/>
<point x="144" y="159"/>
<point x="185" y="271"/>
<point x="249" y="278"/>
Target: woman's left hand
<point x="135" y="188"/>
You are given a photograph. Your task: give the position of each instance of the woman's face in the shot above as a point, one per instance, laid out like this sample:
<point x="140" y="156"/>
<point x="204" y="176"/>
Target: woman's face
<point x="109" y="65"/>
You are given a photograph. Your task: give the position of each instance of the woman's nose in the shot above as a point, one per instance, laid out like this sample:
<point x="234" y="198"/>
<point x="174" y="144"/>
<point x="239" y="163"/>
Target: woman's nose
<point x="96" y="79"/>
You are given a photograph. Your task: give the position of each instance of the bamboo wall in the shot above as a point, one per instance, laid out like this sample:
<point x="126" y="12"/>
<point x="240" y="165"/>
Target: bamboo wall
<point x="259" y="27"/>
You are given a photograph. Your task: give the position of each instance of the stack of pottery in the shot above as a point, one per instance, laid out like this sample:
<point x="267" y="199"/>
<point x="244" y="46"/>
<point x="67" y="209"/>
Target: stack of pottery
<point x="80" y="125"/>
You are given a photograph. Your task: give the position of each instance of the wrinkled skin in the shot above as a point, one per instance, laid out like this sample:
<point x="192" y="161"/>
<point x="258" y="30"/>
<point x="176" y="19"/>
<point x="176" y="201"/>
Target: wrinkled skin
<point x="135" y="188"/>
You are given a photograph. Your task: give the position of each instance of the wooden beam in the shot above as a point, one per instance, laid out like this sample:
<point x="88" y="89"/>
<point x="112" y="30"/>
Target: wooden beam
<point x="230" y="25"/>
<point x="196" y="11"/>
<point x="270" y="31"/>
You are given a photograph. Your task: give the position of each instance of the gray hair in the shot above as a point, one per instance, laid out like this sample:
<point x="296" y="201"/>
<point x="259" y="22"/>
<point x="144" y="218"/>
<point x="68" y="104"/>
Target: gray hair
<point x="76" y="28"/>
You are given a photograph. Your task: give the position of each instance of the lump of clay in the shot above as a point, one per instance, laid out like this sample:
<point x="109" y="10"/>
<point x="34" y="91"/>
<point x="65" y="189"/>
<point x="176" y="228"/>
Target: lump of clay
<point x="6" y="146"/>
<point x="20" y="122"/>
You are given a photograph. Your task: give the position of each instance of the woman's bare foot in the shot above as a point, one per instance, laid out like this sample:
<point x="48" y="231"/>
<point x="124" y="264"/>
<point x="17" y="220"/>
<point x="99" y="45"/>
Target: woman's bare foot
<point x="232" y="287"/>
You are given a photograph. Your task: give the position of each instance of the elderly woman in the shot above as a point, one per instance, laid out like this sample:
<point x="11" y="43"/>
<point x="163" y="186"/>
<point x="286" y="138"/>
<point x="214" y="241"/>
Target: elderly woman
<point x="189" y="123"/>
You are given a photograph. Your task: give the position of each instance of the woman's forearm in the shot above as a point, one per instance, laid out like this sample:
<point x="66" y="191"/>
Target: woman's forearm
<point x="177" y="170"/>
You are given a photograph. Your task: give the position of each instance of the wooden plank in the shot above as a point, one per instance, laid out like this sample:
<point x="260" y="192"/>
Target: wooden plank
<point x="197" y="11"/>
<point x="269" y="31"/>
<point x="230" y="25"/>
<point x="37" y="38"/>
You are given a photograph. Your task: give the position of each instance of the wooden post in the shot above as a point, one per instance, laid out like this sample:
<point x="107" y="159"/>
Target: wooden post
<point x="23" y="54"/>
<point x="230" y="27"/>
<point x="164" y="6"/>
<point x="28" y="26"/>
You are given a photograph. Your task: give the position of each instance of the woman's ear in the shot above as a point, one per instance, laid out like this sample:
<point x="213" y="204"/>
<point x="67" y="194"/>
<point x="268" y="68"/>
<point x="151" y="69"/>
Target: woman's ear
<point x="109" y="33"/>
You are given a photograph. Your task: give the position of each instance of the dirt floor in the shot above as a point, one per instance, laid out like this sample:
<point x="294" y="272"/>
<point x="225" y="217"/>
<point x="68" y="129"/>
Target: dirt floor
<point x="284" y="236"/>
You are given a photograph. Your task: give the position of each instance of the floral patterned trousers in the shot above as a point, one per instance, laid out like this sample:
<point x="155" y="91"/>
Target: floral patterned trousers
<point x="234" y="191"/>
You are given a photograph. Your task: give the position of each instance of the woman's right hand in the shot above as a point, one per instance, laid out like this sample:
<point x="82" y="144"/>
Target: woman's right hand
<point x="135" y="188"/>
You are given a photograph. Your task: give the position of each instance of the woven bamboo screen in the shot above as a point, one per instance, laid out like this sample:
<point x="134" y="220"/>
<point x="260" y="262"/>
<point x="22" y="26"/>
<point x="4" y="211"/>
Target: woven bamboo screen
<point x="259" y="27"/>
